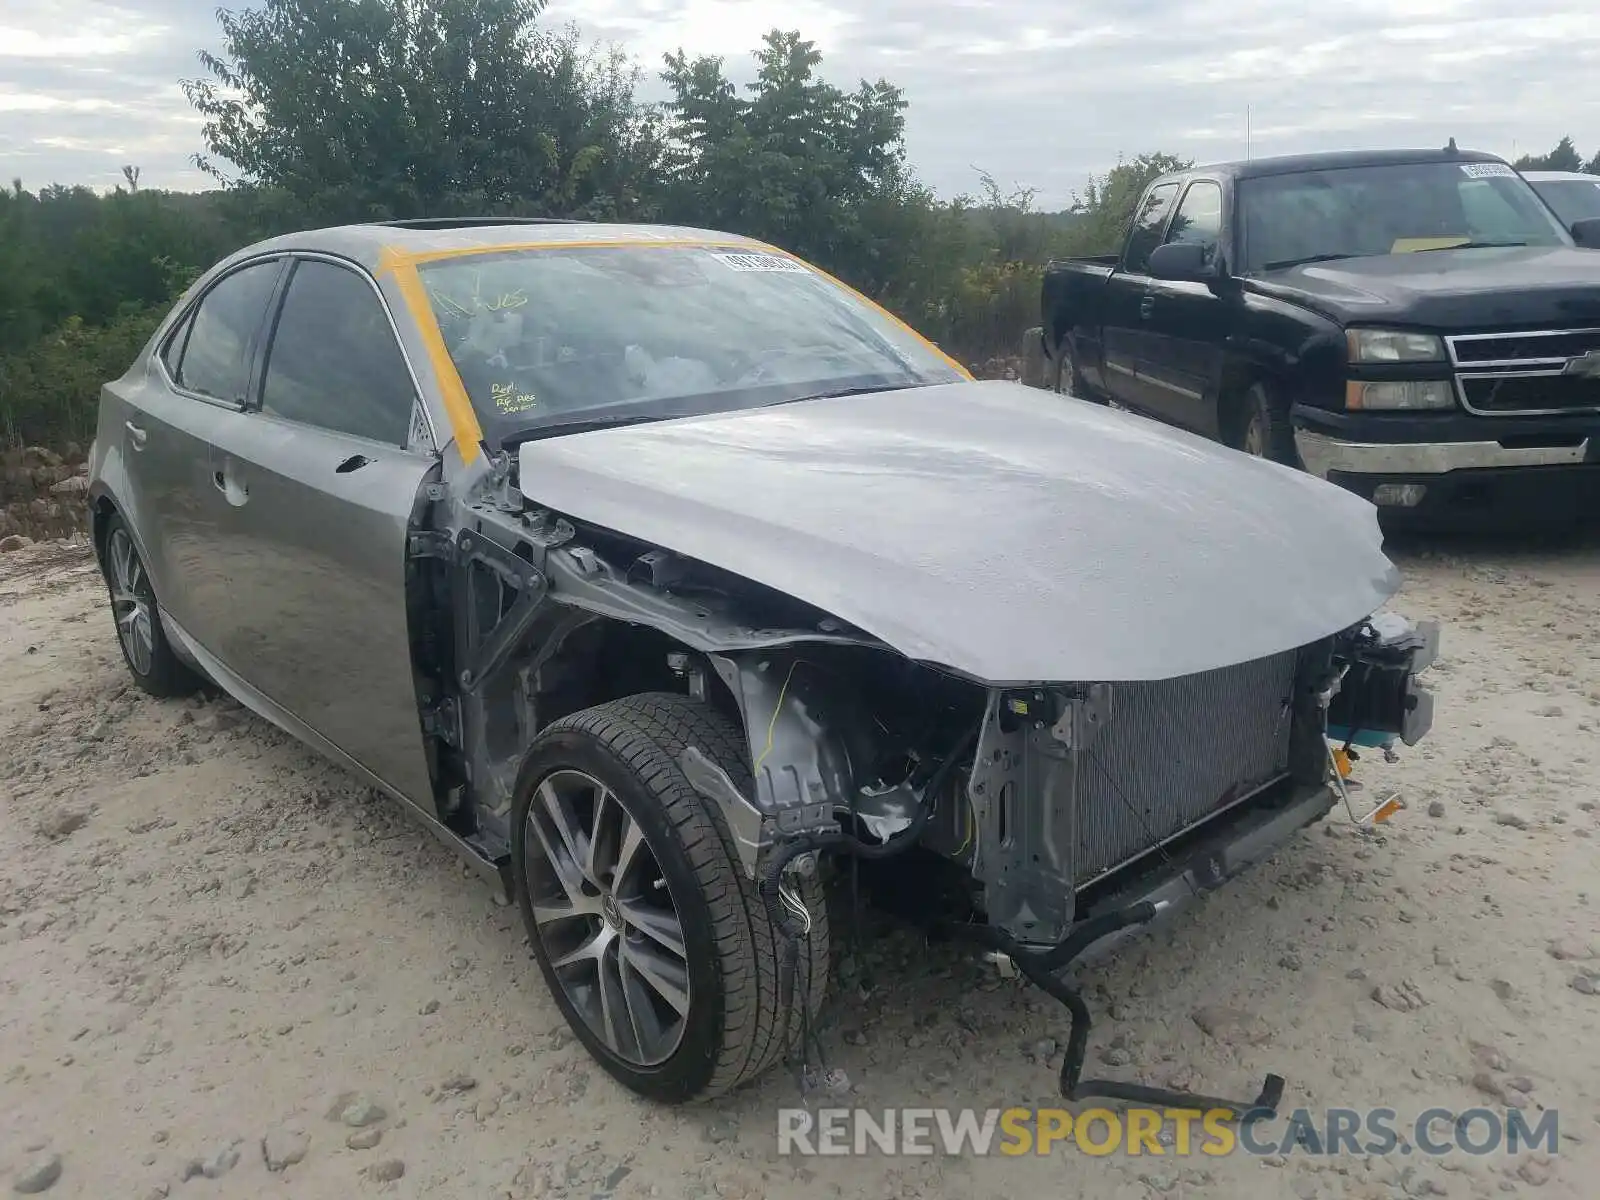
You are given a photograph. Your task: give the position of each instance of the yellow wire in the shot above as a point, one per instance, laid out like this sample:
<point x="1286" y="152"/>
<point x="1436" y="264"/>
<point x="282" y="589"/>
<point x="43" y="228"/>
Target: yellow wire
<point x="972" y="821"/>
<point x="772" y="725"/>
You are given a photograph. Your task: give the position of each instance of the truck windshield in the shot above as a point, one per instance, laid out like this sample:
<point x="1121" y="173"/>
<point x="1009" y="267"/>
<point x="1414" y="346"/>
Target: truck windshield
<point x="565" y="338"/>
<point x="1358" y="212"/>
<point x="1573" y="199"/>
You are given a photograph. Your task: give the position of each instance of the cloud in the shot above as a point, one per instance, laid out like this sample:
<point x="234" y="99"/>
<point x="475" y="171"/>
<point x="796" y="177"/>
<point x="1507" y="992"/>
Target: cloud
<point x="1038" y="96"/>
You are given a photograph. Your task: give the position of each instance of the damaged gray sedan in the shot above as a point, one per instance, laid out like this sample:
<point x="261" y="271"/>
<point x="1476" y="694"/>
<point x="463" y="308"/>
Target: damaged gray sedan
<point x="659" y="573"/>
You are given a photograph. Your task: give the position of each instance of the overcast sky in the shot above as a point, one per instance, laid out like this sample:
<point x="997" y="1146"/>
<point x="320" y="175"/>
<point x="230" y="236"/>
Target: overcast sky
<point x="1040" y="95"/>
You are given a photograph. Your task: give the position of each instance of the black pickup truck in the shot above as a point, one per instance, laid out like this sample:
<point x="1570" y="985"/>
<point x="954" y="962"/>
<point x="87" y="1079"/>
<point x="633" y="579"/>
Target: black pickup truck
<point x="1417" y="326"/>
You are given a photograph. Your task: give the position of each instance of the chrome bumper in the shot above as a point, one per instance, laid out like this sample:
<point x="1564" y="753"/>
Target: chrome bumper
<point x="1322" y="454"/>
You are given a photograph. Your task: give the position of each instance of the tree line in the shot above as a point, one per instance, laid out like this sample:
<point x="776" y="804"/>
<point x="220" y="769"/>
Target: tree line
<point x="318" y="112"/>
<point x="1564" y="157"/>
<point x="325" y="111"/>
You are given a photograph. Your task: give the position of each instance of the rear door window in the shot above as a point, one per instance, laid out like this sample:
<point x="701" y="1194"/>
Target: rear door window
<point x="172" y="352"/>
<point x="216" y="356"/>
<point x="1146" y="233"/>
<point x="334" y="362"/>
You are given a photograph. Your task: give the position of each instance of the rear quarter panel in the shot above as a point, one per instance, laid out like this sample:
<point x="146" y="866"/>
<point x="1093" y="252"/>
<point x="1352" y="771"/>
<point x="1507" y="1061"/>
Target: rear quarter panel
<point x="120" y="400"/>
<point x="109" y="482"/>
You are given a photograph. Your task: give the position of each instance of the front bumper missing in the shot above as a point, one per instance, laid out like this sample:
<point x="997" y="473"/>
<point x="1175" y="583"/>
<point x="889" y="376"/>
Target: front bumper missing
<point x="1323" y="456"/>
<point x="1209" y="861"/>
<point x="1206" y="863"/>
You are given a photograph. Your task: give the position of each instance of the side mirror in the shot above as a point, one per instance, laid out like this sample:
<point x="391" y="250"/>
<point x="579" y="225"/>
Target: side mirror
<point x="1586" y="233"/>
<point x="1182" y="261"/>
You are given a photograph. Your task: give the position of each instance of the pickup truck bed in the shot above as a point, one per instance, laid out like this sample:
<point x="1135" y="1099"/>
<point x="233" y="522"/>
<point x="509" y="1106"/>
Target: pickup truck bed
<point x="1072" y="290"/>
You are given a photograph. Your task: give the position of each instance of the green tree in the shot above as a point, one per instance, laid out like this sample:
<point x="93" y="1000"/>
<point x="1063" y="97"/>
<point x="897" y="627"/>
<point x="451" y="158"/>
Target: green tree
<point x="799" y="162"/>
<point x="1564" y="157"/>
<point x="1105" y="206"/>
<point x="351" y="109"/>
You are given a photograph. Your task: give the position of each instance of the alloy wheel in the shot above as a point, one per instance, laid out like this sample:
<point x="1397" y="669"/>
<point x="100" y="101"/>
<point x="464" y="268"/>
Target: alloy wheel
<point x="130" y="602"/>
<point x="606" y="918"/>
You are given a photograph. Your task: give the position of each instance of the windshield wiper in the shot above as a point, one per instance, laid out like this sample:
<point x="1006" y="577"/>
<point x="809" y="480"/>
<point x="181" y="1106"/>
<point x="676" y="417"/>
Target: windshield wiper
<point x="849" y="391"/>
<point x="1284" y="264"/>
<point x="580" y="425"/>
<point x="1468" y="246"/>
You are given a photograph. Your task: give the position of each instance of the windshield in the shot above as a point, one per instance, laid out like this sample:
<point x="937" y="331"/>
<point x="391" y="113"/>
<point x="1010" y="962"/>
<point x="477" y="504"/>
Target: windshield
<point x="584" y="334"/>
<point x="1573" y="199"/>
<point x="1357" y="212"/>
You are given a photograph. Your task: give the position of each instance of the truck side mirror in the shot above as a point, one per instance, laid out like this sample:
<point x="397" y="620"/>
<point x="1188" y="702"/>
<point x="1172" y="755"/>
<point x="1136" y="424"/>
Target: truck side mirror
<point x="1183" y="261"/>
<point x="1585" y="232"/>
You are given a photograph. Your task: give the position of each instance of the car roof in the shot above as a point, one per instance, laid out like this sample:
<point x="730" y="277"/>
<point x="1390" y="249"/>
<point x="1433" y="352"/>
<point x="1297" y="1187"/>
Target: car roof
<point x="370" y="243"/>
<point x="1289" y="164"/>
<point x="1553" y="176"/>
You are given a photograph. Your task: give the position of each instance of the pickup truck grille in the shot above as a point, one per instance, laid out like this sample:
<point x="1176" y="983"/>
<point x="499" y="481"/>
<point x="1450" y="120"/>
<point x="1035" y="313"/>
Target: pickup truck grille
<point x="1177" y="751"/>
<point x="1541" y="371"/>
<point x="1530" y="393"/>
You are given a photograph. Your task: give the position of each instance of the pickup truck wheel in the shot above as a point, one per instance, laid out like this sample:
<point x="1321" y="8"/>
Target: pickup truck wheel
<point x="652" y="938"/>
<point x="1065" y="376"/>
<point x="1264" y="429"/>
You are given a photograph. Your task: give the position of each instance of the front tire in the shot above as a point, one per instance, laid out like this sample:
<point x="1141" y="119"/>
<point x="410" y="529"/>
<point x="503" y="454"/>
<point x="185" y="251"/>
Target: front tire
<point x="154" y="665"/>
<point x="651" y="937"/>
<point x="1263" y="429"/>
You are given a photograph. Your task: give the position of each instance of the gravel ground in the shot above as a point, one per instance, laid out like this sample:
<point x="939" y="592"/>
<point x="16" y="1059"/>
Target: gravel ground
<point x="228" y="970"/>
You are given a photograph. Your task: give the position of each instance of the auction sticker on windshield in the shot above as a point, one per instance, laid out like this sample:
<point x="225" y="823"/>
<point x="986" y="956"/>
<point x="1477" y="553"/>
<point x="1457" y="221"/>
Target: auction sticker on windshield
<point x="764" y="262"/>
<point x="1488" y="170"/>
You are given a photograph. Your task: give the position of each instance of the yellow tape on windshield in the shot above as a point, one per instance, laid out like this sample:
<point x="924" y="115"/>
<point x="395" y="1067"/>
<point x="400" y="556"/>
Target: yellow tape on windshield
<point x="458" y="408"/>
<point x="464" y="425"/>
<point x="420" y="257"/>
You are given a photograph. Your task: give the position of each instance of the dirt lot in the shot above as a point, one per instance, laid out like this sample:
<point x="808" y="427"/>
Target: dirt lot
<point x="210" y="939"/>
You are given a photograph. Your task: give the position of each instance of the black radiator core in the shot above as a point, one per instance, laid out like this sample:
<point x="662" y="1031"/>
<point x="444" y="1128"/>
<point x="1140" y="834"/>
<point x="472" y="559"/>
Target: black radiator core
<point x="1176" y="751"/>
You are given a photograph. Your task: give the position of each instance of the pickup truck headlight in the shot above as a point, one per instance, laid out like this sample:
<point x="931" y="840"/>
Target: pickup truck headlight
<point x="1399" y="394"/>
<point x="1393" y="346"/>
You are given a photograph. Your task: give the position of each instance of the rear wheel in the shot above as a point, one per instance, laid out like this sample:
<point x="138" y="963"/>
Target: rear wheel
<point x="1068" y="379"/>
<point x="653" y="940"/>
<point x="156" y="668"/>
<point x="1065" y="375"/>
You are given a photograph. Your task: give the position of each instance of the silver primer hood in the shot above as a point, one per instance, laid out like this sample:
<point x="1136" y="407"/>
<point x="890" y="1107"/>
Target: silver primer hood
<point x="1004" y="532"/>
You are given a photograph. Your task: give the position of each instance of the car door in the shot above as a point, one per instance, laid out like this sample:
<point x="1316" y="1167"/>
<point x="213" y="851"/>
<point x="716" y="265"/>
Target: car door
<point x="1126" y="293"/>
<point x="1186" y="322"/>
<point x="320" y="488"/>
<point x="195" y="386"/>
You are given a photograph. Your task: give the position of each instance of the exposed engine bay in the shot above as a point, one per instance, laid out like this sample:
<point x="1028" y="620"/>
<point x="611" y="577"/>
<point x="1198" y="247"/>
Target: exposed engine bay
<point x="1039" y="793"/>
<point x="1069" y="809"/>
<point x="1077" y="748"/>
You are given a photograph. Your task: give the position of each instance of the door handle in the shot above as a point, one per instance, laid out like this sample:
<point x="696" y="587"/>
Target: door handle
<point x="1147" y="305"/>
<point x="135" y="435"/>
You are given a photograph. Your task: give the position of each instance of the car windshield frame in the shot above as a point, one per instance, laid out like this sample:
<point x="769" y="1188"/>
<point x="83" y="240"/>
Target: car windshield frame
<point x="556" y="336"/>
<point x="1377" y="210"/>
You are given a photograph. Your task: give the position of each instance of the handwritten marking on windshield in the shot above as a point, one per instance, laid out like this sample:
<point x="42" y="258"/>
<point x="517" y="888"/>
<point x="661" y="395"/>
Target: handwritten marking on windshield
<point x="508" y="400"/>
